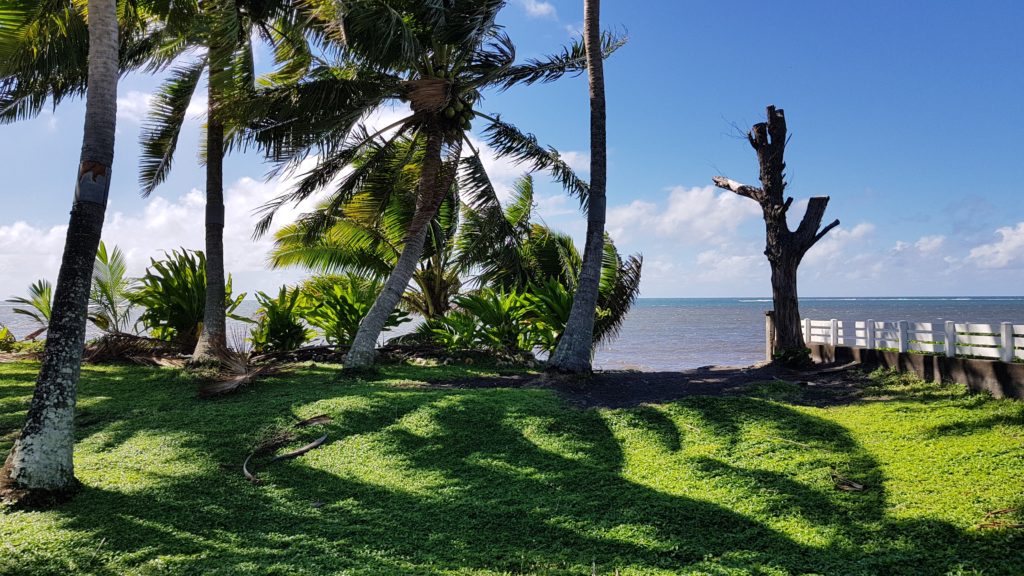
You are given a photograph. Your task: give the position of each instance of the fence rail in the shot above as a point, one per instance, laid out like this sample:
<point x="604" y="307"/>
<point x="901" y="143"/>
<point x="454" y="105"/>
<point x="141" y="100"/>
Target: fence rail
<point x="1003" y="341"/>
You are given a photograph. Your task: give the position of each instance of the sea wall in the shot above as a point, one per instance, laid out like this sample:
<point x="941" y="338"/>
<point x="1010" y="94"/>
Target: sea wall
<point x="1000" y="379"/>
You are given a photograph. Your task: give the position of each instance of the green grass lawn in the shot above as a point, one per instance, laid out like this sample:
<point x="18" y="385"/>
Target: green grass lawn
<point x="421" y="480"/>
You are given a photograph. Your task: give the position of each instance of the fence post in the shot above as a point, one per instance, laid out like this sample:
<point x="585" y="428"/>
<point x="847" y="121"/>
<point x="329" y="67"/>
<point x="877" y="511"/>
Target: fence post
<point x="904" y="344"/>
<point x="1006" y="342"/>
<point x="950" y="339"/>
<point x="869" y="334"/>
<point x="769" y="335"/>
<point x="833" y="335"/>
<point x="807" y="331"/>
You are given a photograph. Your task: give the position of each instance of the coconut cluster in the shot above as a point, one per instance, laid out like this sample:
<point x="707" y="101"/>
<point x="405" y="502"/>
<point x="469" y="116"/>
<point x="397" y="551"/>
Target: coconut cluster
<point x="459" y="111"/>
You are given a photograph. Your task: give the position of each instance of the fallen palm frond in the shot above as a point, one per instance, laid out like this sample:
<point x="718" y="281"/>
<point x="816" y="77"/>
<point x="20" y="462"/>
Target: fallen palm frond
<point x="278" y="439"/>
<point x="994" y="522"/>
<point x="235" y="371"/>
<point x="237" y="367"/>
<point x="117" y="347"/>
<point x="845" y="484"/>
<point x="312" y="421"/>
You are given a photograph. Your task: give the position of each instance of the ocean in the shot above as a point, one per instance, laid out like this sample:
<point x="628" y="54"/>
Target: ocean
<point x="680" y="333"/>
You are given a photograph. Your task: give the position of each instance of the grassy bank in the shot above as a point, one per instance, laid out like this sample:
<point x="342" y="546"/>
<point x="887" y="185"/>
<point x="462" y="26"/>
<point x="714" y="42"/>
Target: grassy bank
<point x="426" y="480"/>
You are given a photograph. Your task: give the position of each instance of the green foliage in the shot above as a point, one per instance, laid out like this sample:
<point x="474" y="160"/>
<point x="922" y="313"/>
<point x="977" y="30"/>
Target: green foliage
<point x="546" y="313"/>
<point x="109" y="303"/>
<point x="38" y="305"/>
<point x="365" y="232"/>
<point x="173" y="293"/>
<point x="525" y="482"/>
<point x="279" y="326"/>
<point x="484" y="320"/>
<point x="7" y="339"/>
<point x="794" y="357"/>
<point x="337" y="304"/>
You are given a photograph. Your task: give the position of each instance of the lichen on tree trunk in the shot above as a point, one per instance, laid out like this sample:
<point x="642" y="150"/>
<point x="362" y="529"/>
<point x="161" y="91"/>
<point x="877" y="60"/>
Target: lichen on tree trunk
<point x="42" y="459"/>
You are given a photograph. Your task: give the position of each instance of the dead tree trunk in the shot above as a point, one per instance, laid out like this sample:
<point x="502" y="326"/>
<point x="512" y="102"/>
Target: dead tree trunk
<point x="784" y="248"/>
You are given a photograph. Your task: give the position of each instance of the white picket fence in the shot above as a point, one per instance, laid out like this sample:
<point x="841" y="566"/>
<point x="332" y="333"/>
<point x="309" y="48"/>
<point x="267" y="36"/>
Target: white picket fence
<point x="1004" y="341"/>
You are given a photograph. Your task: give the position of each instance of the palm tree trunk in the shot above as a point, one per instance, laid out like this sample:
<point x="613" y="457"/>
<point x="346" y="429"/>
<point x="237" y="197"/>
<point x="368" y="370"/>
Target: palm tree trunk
<point x="433" y="186"/>
<point x="42" y="458"/>
<point x="573" y="354"/>
<point x="213" y="338"/>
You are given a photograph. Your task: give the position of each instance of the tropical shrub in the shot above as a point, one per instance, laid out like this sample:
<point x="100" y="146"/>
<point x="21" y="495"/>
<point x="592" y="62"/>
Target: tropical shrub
<point x="457" y="330"/>
<point x="109" y="304"/>
<point x="488" y="320"/>
<point x="546" y="312"/>
<point x="279" y="326"/>
<point x="38" y="304"/>
<point x="7" y="339"/>
<point x="337" y="304"/>
<point x="173" y="293"/>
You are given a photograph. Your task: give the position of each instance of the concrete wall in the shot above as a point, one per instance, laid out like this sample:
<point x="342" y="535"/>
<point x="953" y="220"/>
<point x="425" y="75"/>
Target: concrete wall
<point x="1000" y="379"/>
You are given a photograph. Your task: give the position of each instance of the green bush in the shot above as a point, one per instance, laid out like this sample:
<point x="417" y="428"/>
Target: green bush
<point x="486" y="320"/>
<point x="279" y="326"/>
<point x="337" y="304"/>
<point x="173" y="293"/>
<point x="546" y="313"/>
<point x="7" y="339"/>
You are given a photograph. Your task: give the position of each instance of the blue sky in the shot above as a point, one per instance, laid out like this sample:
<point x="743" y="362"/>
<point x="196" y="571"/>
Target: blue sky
<point x="906" y="113"/>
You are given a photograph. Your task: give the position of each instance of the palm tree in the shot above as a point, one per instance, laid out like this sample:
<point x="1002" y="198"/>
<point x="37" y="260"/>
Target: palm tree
<point x="225" y="29"/>
<point x="438" y="56"/>
<point x="42" y="457"/>
<point x="576" y="347"/>
<point x="366" y="234"/>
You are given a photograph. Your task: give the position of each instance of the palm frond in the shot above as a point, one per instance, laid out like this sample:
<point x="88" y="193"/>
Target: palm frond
<point x="616" y="300"/>
<point x="572" y="61"/>
<point x="509" y="142"/>
<point x="39" y="303"/>
<point x="159" y="136"/>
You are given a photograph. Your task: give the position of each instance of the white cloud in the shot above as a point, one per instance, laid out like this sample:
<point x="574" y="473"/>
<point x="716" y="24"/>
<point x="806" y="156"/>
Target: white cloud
<point x="578" y="161"/>
<point x="575" y="30"/>
<point x="930" y="243"/>
<point x="724" y="265"/>
<point x="690" y="215"/>
<point x="1006" y="252"/>
<point x="840" y="245"/>
<point x="539" y="9"/>
<point x="165" y="223"/>
<point x="133" y="107"/>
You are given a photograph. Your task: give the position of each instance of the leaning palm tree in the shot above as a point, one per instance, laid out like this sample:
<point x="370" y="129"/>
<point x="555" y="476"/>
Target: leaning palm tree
<point x="575" y="349"/>
<point x="42" y="457"/>
<point x="223" y="30"/>
<point x="366" y="234"/>
<point x="440" y="57"/>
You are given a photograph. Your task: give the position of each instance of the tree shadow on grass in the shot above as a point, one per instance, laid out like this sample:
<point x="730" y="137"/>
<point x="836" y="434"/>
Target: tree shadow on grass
<point x="420" y="481"/>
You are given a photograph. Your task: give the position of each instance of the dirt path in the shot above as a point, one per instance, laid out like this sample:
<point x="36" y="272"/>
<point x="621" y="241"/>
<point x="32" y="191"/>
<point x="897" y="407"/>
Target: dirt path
<point x="827" y="386"/>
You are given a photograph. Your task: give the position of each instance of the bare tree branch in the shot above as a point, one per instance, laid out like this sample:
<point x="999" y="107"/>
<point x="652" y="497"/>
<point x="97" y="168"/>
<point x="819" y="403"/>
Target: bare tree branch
<point x="824" y="231"/>
<point x="752" y="192"/>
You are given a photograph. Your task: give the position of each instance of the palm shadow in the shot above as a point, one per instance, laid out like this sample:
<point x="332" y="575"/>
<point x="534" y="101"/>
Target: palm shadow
<point x="425" y="481"/>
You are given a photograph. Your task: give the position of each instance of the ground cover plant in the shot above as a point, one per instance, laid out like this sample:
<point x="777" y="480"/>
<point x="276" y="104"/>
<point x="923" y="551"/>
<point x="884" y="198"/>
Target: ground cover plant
<point x="444" y="479"/>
